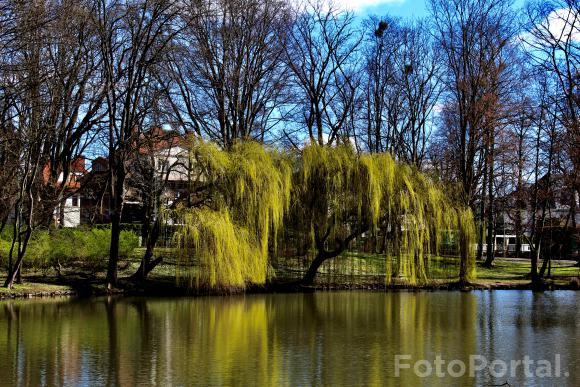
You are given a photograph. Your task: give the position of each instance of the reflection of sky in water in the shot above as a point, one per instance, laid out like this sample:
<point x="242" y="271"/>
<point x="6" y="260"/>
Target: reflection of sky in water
<point x="337" y="339"/>
<point x="539" y="325"/>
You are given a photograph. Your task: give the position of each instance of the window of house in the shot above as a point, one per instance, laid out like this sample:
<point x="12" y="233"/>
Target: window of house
<point x="75" y="201"/>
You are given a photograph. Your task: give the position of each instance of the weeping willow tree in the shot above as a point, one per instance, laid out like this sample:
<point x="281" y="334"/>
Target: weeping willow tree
<point x="239" y="198"/>
<point x="342" y="195"/>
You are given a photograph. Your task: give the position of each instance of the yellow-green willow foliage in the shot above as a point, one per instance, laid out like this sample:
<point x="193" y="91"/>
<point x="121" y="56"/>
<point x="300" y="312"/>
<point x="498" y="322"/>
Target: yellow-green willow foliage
<point x="343" y="194"/>
<point x="244" y="193"/>
<point x="466" y="242"/>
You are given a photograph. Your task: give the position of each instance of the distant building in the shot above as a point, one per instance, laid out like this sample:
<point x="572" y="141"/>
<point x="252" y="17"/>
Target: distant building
<point x="561" y="227"/>
<point x="68" y="212"/>
<point x="161" y="150"/>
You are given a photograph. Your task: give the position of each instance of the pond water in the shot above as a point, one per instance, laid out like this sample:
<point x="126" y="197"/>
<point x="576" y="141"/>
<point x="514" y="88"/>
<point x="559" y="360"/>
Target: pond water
<point x="330" y="339"/>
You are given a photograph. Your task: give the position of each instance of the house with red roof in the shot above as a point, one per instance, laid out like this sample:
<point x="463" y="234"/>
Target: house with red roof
<point x="161" y="156"/>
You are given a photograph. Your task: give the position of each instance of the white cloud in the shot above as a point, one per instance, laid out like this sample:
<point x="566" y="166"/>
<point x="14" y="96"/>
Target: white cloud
<point x="557" y="26"/>
<point x="553" y="30"/>
<point x="562" y="23"/>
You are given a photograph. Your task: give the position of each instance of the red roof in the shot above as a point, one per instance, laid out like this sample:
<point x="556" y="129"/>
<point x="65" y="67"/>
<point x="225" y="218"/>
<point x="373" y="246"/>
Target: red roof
<point x="158" y="139"/>
<point x="77" y="168"/>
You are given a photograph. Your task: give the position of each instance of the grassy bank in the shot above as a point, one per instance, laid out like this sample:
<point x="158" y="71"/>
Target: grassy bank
<point x="354" y="271"/>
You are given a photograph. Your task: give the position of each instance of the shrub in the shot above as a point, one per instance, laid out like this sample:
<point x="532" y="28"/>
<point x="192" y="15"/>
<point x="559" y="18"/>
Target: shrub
<point x="127" y="243"/>
<point x="69" y="246"/>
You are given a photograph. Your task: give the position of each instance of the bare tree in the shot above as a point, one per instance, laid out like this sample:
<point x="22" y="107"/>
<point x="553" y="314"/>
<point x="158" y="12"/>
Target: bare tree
<point x="321" y="54"/>
<point x="75" y="95"/>
<point x="50" y="105"/>
<point x="10" y="146"/>
<point x="402" y="87"/>
<point x="159" y="176"/>
<point x="381" y="99"/>
<point x="474" y="36"/>
<point x="553" y="43"/>
<point x="515" y="163"/>
<point x="25" y="117"/>
<point x="228" y="74"/>
<point x="135" y="37"/>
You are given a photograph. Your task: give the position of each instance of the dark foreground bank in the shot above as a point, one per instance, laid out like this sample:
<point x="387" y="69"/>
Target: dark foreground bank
<point x="79" y="287"/>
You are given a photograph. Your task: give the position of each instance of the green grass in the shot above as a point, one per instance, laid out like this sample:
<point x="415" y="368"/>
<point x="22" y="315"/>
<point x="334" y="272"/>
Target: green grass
<point x="516" y="271"/>
<point x="354" y="266"/>
<point x="34" y="288"/>
<point x="351" y="269"/>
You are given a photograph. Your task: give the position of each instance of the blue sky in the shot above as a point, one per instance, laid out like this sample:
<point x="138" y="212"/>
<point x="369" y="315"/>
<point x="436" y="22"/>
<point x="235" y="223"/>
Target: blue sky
<point x="403" y="8"/>
<point x="413" y="9"/>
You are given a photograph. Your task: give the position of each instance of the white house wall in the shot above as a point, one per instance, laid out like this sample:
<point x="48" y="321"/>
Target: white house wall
<point x="71" y="214"/>
<point x="176" y="158"/>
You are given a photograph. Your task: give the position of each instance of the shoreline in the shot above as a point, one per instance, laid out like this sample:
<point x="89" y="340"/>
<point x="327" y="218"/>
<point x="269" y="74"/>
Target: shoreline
<point x="83" y="281"/>
<point x="44" y="290"/>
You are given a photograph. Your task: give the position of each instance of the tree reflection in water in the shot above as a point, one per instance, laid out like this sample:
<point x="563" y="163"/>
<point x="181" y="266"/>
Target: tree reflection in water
<point x="297" y="339"/>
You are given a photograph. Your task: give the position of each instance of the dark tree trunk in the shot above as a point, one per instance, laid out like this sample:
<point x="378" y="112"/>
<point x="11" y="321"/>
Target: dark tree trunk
<point x="143" y="271"/>
<point x="308" y="278"/>
<point x="323" y="255"/>
<point x="490" y="243"/>
<point x="146" y="264"/>
<point x="114" y="250"/>
<point x="518" y="230"/>
<point x="14" y="275"/>
<point x="490" y="208"/>
<point x="547" y="260"/>
<point x="480" y="233"/>
<point x="534" y="272"/>
<point x="117" y="179"/>
<point x="520" y="207"/>
<point x="536" y="236"/>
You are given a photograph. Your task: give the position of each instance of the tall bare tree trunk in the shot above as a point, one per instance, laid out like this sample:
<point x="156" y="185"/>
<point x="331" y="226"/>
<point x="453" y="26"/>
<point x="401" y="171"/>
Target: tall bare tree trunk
<point x="490" y="205"/>
<point x="117" y="176"/>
